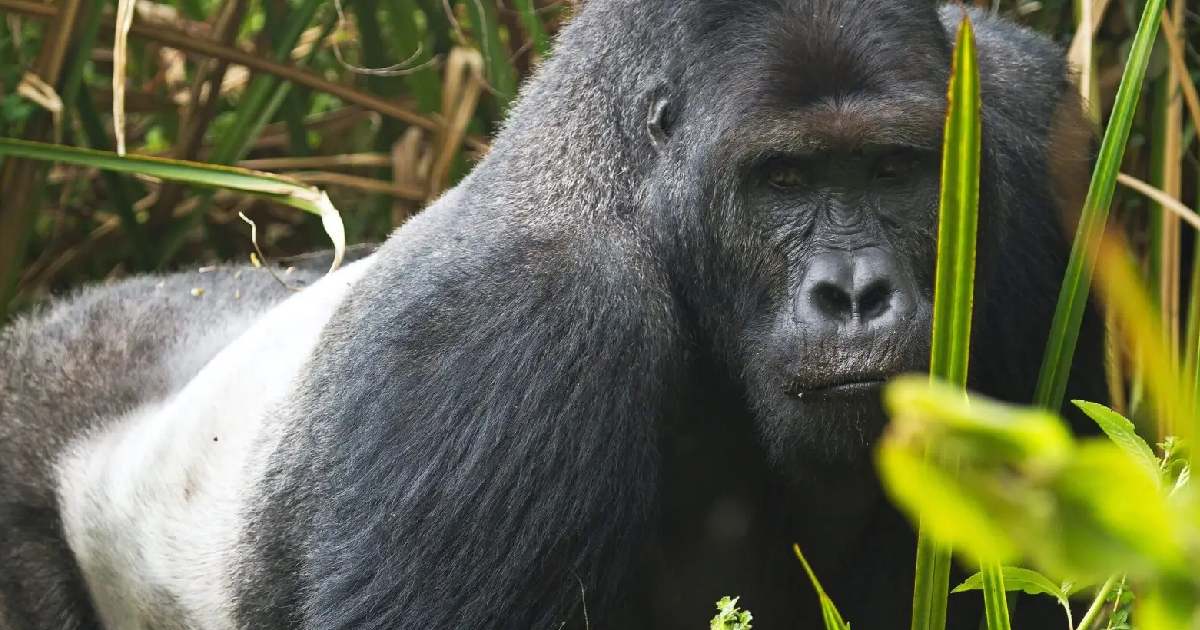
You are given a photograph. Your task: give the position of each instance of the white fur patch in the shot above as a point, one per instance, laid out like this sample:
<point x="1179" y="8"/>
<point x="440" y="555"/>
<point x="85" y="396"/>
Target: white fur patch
<point x="152" y="504"/>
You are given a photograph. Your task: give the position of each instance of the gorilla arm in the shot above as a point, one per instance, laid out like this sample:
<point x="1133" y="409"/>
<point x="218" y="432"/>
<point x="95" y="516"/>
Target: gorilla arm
<point x="485" y="430"/>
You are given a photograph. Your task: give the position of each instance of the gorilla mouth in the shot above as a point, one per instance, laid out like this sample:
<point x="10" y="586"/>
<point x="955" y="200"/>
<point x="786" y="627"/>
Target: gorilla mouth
<point x="846" y="386"/>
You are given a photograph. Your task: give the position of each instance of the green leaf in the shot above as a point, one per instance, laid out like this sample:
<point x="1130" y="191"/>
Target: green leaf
<point x="729" y="616"/>
<point x="829" y="612"/>
<point x="1018" y="579"/>
<point x="1073" y="297"/>
<point x="1122" y="432"/>
<point x="274" y="187"/>
<point x="1113" y="518"/>
<point x="1079" y="511"/>
<point x="1026" y="581"/>
<point x="1166" y="605"/>
<point x="954" y="290"/>
<point x="958" y="217"/>
<point x="974" y="427"/>
<point x="950" y="508"/>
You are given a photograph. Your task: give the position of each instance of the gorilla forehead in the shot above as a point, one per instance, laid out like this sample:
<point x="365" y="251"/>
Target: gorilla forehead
<point x="773" y="76"/>
<point x="805" y="50"/>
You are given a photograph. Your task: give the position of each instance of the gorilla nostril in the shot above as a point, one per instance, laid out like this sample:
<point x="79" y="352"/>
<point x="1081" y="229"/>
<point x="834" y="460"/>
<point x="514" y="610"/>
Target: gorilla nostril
<point x="845" y="292"/>
<point x="833" y="301"/>
<point x="875" y="300"/>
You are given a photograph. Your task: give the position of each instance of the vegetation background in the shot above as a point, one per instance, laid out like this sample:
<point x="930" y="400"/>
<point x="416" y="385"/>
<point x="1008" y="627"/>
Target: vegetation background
<point x="384" y="104"/>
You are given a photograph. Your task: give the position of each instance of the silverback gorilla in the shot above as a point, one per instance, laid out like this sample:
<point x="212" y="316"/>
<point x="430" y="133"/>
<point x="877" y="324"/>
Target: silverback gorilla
<point x="610" y="377"/>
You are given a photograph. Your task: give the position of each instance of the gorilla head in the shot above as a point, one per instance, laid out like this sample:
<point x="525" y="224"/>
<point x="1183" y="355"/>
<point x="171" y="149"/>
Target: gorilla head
<point x="826" y="180"/>
<point x="808" y="147"/>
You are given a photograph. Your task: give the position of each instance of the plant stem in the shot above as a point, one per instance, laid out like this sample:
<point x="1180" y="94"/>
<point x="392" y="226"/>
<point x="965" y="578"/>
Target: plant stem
<point x="1093" y="612"/>
<point x="995" y="604"/>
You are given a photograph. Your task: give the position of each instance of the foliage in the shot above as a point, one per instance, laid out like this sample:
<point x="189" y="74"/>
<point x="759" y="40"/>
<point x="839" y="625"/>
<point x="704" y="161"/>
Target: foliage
<point x="366" y="99"/>
<point x="729" y="616"/>
<point x="1023" y="489"/>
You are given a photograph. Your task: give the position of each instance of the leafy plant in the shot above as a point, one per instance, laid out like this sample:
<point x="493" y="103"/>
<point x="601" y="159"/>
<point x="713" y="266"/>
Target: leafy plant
<point x="1080" y="511"/>
<point x="729" y="616"/>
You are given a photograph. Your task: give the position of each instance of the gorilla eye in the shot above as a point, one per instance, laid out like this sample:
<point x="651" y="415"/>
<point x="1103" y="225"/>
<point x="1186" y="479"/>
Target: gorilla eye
<point x="785" y="174"/>
<point x="895" y="166"/>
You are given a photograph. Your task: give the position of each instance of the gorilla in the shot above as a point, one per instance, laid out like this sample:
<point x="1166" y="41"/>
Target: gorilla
<point x="610" y="377"/>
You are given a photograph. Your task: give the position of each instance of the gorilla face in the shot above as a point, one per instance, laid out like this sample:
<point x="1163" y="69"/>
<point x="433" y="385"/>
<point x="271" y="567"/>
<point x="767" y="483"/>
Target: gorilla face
<point x="848" y="267"/>
<point x="821" y="179"/>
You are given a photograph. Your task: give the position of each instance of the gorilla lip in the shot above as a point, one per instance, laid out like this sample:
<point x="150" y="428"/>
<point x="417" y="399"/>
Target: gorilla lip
<point x="847" y="387"/>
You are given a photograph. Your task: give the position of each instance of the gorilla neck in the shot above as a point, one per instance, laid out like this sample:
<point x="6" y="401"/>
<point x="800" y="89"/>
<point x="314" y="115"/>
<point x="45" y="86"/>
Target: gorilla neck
<point x="729" y="520"/>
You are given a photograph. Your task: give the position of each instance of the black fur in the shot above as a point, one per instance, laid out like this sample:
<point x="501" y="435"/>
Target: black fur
<point x="566" y="390"/>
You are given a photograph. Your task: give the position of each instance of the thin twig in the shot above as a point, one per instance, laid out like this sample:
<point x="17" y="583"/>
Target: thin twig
<point x="366" y="160"/>
<point x="1180" y="66"/>
<point x="125" y="11"/>
<point x="1161" y="198"/>
<point x="361" y="183"/>
<point x="262" y="257"/>
<point x="395" y="70"/>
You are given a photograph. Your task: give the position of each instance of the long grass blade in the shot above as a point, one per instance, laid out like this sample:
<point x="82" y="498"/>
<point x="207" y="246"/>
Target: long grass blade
<point x="958" y="218"/>
<point x="954" y="290"/>
<point x="532" y="23"/>
<point x="1073" y="297"/>
<point x="274" y="187"/>
<point x="500" y="73"/>
<point x="829" y="612"/>
<point x="995" y="604"/>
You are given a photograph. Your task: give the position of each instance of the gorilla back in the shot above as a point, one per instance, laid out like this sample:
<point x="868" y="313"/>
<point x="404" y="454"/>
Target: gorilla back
<point x="610" y="377"/>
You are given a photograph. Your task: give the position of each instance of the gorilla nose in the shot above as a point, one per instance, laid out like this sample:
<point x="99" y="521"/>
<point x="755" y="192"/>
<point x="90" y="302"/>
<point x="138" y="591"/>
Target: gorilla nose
<point x="850" y="290"/>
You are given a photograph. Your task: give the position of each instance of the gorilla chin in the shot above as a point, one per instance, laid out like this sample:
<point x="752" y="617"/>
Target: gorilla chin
<point x="822" y="415"/>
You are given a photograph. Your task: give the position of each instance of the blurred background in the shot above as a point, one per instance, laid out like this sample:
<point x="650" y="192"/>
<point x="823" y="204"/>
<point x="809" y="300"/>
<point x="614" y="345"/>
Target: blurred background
<point x="384" y="104"/>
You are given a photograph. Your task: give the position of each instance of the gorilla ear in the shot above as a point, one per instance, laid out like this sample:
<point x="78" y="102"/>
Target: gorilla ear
<point x="659" y="121"/>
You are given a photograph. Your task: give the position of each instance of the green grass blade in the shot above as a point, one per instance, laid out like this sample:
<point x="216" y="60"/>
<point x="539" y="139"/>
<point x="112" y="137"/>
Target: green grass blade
<point x="532" y="23"/>
<point x="209" y="175"/>
<point x="958" y="219"/>
<point x="931" y="584"/>
<point x="1191" y="338"/>
<point x="257" y="105"/>
<point x="500" y="73"/>
<point x="954" y="290"/>
<point x="1097" y="607"/>
<point x="122" y="192"/>
<point x="265" y="94"/>
<point x="414" y="36"/>
<point x="829" y="612"/>
<point x="995" y="604"/>
<point x="1073" y="297"/>
<point x="274" y="187"/>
